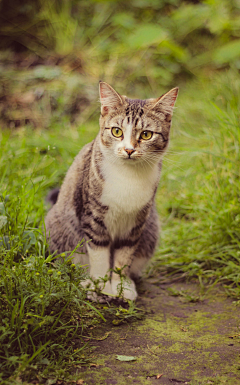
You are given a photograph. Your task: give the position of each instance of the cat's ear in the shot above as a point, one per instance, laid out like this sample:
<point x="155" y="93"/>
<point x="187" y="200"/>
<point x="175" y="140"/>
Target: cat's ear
<point x="109" y="98"/>
<point x="166" y="102"/>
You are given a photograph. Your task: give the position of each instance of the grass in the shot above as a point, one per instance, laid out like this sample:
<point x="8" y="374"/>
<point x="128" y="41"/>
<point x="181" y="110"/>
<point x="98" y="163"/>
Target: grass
<point x="201" y="230"/>
<point x="43" y="307"/>
<point x="44" y="312"/>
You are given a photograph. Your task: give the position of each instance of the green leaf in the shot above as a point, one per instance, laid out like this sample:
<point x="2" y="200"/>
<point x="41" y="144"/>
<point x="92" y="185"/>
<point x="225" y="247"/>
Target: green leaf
<point x="3" y="221"/>
<point x="4" y="242"/>
<point x="51" y="381"/>
<point x="44" y="361"/>
<point x="126" y="358"/>
<point x="2" y="208"/>
<point x="188" y="18"/>
<point x="146" y="35"/>
<point x="227" y="53"/>
<point x="123" y="20"/>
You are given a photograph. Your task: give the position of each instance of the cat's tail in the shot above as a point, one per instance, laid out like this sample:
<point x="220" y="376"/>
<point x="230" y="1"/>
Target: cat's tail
<point x="53" y="196"/>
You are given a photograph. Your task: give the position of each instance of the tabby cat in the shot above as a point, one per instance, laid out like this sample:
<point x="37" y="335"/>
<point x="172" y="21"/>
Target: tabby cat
<point x="107" y="196"/>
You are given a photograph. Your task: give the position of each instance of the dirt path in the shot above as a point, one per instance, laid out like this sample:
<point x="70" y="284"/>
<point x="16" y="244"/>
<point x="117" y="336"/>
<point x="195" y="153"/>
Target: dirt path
<point x="177" y="342"/>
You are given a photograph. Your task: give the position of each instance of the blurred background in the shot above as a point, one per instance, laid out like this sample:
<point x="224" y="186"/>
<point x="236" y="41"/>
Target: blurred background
<point x="53" y="53"/>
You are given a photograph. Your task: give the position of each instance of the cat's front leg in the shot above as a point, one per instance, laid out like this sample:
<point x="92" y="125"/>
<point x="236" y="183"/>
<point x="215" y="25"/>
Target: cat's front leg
<point x="123" y="259"/>
<point x="99" y="259"/>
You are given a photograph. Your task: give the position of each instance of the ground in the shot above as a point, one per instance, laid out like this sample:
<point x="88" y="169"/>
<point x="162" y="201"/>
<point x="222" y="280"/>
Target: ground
<point x="178" y="341"/>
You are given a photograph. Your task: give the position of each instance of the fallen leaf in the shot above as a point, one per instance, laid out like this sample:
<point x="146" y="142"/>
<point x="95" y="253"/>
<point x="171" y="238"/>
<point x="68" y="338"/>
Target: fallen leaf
<point x="126" y="358"/>
<point x="184" y="329"/>
<point x="159" y="376"/>
<point x="80" y="382"/>
<point x="104" y="337"/>
<point x="235" y="335"/>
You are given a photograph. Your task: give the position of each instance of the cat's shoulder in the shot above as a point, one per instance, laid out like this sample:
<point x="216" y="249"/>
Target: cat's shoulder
<point x="84" y="154"/>
<point x="77" y="169"/>
<point x="86" y="150"/>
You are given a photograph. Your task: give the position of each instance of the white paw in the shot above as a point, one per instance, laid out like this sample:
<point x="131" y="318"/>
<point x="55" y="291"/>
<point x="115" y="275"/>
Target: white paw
<point x="94" y="294"/>
<point x="107" y="290"/>
<point x="111" y="289"/>
<point x="91" y="294"/>
<point x="129" y="288"/>
<point x="88" y="284"/>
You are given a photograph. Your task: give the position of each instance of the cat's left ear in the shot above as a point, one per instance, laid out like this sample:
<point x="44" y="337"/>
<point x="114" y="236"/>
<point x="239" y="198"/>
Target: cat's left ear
<point x="109" y="98"/>
<point x="166" y="102"/>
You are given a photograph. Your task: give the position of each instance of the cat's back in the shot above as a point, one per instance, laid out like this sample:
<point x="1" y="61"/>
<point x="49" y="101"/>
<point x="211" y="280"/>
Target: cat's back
<point x="78" y="171"/>
<point x="73" y="180"/>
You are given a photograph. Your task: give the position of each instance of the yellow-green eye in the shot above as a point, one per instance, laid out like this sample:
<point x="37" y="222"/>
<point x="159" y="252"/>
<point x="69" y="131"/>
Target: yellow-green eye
<point x="117" y="132"/>
<point x="146" y="135"/>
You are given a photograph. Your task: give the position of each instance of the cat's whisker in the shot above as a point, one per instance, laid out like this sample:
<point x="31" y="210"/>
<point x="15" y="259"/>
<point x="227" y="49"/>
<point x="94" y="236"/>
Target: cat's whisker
<point x="165" y="157"/>
<point x="149" y="163"/>
<point x="175" y="164"/>
<point x="152" y="159"/>
<point x="165" y="160"/>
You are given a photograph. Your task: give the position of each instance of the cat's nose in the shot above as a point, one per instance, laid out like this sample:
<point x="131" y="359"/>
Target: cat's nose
<point x="129" y="151"/>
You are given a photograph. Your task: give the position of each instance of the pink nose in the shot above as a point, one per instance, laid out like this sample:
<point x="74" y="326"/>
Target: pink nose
<point x="129" y="151"/>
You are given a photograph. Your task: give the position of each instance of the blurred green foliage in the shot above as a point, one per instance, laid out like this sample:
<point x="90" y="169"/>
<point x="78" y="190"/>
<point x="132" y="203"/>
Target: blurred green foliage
<point x="147" y="41"/>
<point x="141" y="47"/>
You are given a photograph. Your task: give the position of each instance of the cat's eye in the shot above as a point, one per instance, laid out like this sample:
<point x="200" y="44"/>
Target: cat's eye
<point x="146" y="135"/>
<point x="117" y="132"/>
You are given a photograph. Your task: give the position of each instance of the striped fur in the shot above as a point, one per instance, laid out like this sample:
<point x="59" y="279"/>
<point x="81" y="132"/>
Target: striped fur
<point x="107" y="196"/>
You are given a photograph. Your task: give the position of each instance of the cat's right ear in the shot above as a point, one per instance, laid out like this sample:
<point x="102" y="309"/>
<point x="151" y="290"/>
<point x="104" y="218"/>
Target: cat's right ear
<point x="109" y="98"/>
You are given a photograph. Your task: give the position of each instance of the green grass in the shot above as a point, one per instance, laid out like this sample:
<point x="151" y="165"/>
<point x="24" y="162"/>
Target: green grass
<point x="42" y="304"/>
<point x="201" y="187"/>
<point x="44" y="313"/>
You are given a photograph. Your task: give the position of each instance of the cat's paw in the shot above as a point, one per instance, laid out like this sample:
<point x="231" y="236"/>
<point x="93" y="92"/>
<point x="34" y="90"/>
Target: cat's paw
<point x="102" y="293"/>
<point x="106" y="291"/>
<point x="128" y="286"/>
<point x="91" y="290"/>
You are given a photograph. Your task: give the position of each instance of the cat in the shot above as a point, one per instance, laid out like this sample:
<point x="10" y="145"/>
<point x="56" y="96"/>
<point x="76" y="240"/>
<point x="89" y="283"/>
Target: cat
<point x="107" y="196"/>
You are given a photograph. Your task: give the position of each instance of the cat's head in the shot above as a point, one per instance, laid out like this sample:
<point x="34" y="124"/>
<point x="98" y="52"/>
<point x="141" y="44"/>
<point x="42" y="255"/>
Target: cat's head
<point x="135" y="130"/>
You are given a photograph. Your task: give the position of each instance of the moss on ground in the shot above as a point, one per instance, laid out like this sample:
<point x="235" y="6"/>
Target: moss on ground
<point x="177" y="342"/>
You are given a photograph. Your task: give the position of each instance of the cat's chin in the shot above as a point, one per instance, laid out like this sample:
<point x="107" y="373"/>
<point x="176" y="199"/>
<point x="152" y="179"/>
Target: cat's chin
<point x="129" y="160"/>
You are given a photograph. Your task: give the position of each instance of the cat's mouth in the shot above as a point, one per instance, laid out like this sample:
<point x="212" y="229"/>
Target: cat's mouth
<point x="130" y="158"/>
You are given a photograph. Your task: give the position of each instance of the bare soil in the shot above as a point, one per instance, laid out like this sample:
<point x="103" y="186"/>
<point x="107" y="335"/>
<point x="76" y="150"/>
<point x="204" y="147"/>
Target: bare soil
<point x="177" y="342"/>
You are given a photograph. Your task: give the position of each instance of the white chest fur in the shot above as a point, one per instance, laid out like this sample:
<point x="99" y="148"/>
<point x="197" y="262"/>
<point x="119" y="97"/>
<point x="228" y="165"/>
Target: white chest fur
<point x="126" y="191"/>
